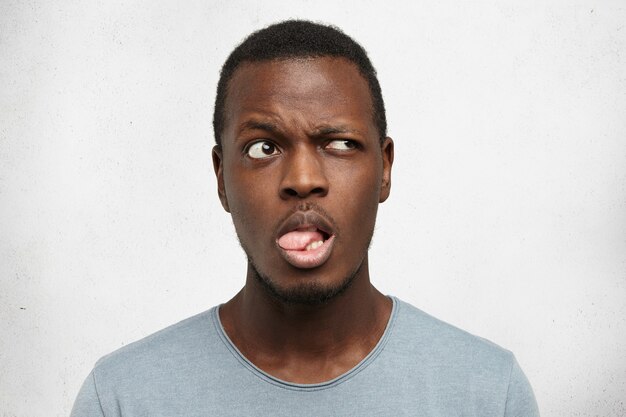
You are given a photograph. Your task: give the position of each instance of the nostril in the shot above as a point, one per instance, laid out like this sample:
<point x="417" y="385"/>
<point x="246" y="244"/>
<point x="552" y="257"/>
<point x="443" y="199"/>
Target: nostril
<point x="293" y="192"/>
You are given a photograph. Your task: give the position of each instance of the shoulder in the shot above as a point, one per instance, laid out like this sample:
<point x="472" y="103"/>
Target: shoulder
<point x="161" y="372"/>
<point x="429" y="332"/>
<point x="175" y="344"/>
<point x="452" y="369"/>
<point x="446" y="349"/>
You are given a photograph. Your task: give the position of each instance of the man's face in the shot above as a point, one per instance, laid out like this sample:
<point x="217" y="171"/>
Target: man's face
<point x="302" y="171"/>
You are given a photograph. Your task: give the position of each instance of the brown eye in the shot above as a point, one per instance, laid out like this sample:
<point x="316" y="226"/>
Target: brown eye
<point x="341" y="145"/>
<point x="262" y="149"/>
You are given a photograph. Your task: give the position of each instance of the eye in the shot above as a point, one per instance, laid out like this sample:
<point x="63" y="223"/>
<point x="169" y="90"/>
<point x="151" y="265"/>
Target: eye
<point x="342" y="145"/>
<point x="262" y="149"/>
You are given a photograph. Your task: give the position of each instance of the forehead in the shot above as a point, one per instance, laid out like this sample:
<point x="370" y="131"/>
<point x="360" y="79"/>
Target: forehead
<point x="300" y="91"/>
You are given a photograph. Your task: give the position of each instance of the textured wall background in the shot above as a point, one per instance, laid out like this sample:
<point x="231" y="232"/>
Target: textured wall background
<point x="507" y="216"/>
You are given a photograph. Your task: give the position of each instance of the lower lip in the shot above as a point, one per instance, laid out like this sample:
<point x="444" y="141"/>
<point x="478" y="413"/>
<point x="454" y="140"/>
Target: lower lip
<point x="307" y="259"/>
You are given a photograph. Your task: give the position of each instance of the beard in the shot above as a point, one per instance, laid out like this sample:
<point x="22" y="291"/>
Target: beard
<point x="305" y="293"/>
<point x="309" y="292"/>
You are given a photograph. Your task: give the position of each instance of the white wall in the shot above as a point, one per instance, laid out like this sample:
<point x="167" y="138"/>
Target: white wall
<point x="507" y="216"/>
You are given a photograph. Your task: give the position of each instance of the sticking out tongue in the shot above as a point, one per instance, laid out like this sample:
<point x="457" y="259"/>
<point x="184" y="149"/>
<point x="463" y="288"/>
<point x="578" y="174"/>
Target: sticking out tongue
<point x="299" y="239"/>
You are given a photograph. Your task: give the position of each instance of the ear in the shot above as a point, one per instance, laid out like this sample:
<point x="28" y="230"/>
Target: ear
<point x="387" y="154"/>
<point x="218" y="166"/>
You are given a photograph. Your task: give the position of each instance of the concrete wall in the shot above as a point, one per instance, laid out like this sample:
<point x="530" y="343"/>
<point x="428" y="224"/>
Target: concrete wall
<point x="508" y="210"/>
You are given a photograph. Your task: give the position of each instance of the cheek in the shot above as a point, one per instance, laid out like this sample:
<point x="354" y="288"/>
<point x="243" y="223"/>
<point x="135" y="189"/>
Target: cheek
<point x="249" y="198"/>
<point x="358" y="192"/>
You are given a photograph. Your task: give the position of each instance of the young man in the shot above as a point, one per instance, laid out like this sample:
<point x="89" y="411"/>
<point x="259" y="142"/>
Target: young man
<point x="302" y="161"/>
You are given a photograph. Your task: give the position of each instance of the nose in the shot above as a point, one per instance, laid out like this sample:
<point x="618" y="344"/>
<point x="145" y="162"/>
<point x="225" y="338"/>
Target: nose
<point x="304" y="175"/>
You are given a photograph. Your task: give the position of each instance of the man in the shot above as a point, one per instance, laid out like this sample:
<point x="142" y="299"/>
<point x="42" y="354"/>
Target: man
<point x="302" y="161"/>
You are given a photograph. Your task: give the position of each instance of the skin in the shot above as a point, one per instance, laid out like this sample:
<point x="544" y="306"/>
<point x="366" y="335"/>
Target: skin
<point x="305" y="110"/>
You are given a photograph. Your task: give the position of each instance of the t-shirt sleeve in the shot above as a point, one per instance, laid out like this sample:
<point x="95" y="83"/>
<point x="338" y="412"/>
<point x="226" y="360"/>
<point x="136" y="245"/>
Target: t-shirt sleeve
<point x="87" y="403"/>
<point x="520" y="401"/>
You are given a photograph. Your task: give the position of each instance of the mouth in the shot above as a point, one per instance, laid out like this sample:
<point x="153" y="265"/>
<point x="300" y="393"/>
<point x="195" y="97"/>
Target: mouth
<point x="306" y="240"/>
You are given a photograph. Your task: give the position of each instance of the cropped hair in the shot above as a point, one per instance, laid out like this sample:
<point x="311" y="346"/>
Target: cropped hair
<point x="298" y="39"/>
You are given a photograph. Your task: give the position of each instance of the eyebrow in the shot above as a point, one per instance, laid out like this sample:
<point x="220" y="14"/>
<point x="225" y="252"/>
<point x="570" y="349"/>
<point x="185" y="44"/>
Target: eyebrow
<point x="257" y="125"/>
<point x="273" y="128"/>
<point x="329" y="130"/>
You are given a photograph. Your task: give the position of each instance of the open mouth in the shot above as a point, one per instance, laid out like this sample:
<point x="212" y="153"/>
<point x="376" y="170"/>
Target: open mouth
<point x="306" y="240"/>
<point x="303" y="238"/>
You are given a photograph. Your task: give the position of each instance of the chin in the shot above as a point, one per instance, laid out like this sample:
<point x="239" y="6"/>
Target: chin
<point x="309" y="293"/>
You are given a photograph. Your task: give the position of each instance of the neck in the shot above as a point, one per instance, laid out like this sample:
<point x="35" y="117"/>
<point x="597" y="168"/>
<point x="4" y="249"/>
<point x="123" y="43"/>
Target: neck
<point x="279" y="337"/>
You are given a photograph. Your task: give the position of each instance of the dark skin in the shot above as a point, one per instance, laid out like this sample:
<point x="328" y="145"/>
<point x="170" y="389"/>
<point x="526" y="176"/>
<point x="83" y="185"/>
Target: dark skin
<point x="299" y="136"/>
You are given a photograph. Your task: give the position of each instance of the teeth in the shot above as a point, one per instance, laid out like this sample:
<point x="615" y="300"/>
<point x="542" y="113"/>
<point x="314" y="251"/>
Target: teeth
<point x="309" y="229"/>
<point x="314" y="245"/>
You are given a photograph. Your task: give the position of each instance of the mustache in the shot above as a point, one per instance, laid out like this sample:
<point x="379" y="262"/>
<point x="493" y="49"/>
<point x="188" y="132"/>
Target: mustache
<point x="305" y="207"/>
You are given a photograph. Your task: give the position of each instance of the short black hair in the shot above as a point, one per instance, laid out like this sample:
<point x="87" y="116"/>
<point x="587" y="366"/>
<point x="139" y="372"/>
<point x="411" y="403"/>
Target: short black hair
<point x="298" y="39"/>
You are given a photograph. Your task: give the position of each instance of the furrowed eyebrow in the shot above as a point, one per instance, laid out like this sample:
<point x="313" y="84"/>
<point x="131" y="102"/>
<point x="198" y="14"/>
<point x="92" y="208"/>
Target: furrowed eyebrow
<point x="273" y="128"/>
<point x="257" y="125"/>
<point x="329" y="130"/>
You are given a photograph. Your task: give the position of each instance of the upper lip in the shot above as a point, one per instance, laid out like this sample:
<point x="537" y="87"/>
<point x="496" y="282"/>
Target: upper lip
<point x="303" y="219"/>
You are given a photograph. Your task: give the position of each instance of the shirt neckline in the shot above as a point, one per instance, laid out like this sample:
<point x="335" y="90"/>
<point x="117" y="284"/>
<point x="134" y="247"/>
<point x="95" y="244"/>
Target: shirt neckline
<point x="369" y="358"/>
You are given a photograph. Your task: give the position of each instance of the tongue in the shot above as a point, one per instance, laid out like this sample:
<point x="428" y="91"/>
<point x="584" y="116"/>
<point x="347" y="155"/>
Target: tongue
<point x="298" y="240"/>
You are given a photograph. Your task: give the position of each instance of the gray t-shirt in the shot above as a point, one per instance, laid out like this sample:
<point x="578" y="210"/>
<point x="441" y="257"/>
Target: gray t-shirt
<point x="420" y="367"/>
